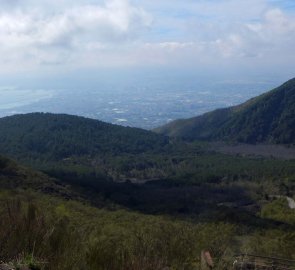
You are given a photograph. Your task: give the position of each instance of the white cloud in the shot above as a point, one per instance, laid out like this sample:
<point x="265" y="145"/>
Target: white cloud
<point x="169" y="46"/>
<point x="44" y="36"/>
<point x="91" y="33"/>
<point x="276" y="25"/>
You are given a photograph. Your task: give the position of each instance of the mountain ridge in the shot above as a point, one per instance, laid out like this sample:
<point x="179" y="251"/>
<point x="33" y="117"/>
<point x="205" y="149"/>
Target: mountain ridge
<point x="268" y="118"/>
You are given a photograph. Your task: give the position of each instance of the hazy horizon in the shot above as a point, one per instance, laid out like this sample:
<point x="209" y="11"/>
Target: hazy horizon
<point x="146" y="100"/>
<point x="142" y="49"/>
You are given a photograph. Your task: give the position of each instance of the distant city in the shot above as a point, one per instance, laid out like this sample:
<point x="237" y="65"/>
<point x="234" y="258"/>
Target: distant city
<point x="132" y="104"/>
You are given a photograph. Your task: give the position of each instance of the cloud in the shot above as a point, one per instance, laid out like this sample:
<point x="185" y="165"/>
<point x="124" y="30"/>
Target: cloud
<point x="44" y="36"/>
<point x="36" y="34"/>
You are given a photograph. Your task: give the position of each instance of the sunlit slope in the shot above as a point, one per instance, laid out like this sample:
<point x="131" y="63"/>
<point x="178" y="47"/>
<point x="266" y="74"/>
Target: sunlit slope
<point x="269" y="118"/>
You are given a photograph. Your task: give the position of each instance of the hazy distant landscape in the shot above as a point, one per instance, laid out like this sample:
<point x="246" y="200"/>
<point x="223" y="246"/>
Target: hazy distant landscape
<point x="144" y="104"/>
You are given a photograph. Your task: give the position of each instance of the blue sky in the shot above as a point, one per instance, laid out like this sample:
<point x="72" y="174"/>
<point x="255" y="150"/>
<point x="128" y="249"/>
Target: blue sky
<point x="239" y="36"/>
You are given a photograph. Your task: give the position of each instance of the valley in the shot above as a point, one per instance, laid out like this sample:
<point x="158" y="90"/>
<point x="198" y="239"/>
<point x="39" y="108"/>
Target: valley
<point x="75" y="191"/>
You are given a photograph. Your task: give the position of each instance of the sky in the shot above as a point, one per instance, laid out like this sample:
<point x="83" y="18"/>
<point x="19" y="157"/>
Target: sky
<point x="52" y="37"/>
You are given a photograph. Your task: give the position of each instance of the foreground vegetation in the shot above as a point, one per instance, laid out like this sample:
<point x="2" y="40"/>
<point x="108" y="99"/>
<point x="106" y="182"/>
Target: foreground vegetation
<point x="69" y="235"/>
<point x="50" y="233"/>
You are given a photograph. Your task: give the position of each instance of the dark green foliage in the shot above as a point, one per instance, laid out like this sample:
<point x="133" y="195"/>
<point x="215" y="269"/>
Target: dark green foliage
<point x="268" y="118"/>
<point x="198" y="128"/>
<point x="47" y="137"/>
<point x="51" y="143"/>
<point x="14" y="177"/>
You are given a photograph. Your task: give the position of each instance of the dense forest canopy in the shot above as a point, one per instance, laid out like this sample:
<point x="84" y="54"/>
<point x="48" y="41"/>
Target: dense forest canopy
<point x="60" y="136"/>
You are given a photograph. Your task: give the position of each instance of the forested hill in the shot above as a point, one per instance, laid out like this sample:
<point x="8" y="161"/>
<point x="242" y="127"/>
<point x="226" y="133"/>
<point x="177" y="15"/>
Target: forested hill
<point x="58" y="136"/>
<point x="269" y="118"/>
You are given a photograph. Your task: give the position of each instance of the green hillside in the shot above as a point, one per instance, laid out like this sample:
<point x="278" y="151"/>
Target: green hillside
<point x="269" y="118"/>
<point x="47" y="136"/>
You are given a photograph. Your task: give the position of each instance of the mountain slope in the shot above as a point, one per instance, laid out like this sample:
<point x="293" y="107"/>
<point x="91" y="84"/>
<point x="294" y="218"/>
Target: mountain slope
<point x="14" y="176"/>
<point x="47" y="136"/>
<point x="269" y="118"/>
